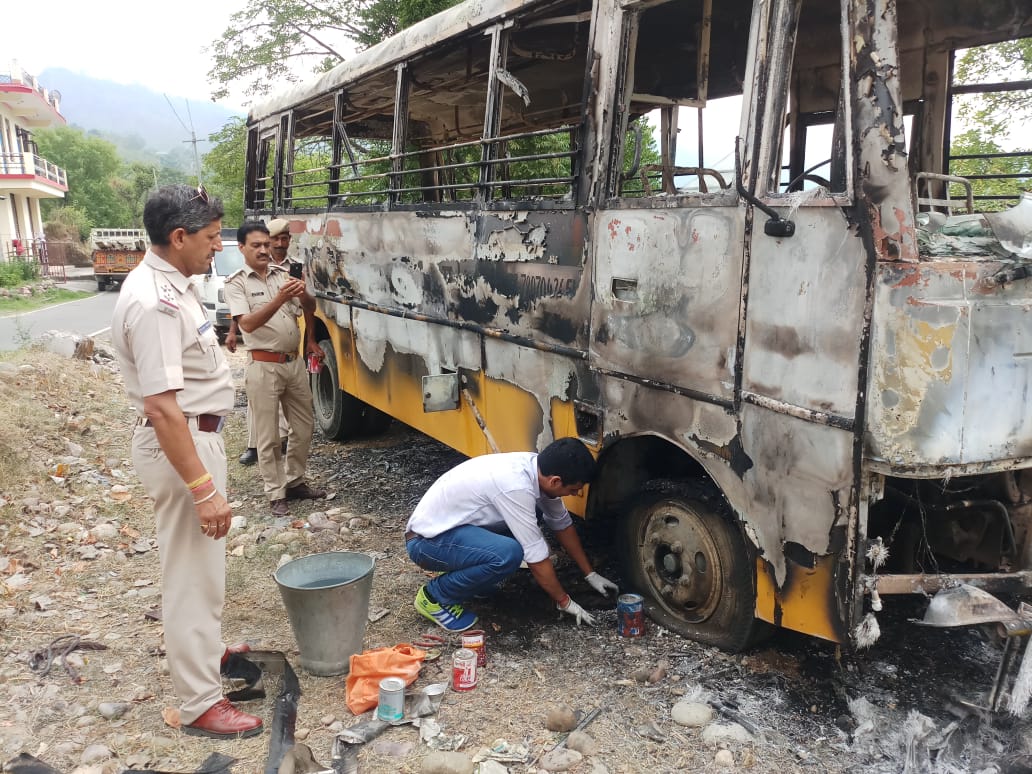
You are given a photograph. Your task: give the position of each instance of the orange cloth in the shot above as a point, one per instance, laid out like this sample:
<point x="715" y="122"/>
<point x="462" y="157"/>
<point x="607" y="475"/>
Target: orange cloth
<point x="368" y="668"/>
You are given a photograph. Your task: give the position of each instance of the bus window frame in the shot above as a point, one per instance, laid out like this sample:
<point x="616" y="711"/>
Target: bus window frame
<point x="781" y="90"/>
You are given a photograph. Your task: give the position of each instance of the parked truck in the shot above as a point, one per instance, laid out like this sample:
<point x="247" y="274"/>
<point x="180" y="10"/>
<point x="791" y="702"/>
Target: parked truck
<point x="115" y="253"/>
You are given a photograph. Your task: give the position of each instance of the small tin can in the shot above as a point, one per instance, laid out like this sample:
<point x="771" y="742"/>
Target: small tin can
<point x="392" y="700"/>
<point x="464" y="670"/>
<point x="474" y="640"/>
<point x="630" y="615"/>
<point x="314" y="364"/>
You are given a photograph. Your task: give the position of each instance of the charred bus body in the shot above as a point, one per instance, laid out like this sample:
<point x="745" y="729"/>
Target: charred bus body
<point x="797" y="407"/>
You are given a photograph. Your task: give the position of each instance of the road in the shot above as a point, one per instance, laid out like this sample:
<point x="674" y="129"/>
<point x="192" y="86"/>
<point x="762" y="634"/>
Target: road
<point x="88" y="316"/>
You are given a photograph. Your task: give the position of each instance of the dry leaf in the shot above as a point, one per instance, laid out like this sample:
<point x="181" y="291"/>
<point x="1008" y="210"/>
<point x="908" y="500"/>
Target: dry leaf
<point x="171" y="716"/>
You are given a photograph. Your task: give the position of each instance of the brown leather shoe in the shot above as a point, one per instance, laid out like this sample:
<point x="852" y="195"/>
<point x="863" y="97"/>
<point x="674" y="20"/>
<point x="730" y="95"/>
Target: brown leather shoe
<point x="279" y="507"/>
<point x="304" y="492"/>
<point x="224" y="721"/>
<point x="233" y="650"/>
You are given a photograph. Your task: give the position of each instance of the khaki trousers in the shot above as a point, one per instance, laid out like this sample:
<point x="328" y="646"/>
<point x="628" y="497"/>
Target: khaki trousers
<point x="193" y="570"/>
<point x="284" y="428"/>
<point x="271" y="386"/>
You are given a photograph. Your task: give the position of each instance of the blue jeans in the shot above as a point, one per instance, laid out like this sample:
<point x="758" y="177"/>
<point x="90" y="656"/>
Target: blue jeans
<point x="473" y="559"/>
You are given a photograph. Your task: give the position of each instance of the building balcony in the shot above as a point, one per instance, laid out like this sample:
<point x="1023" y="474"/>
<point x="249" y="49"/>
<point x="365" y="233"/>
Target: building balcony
<point x="25" y="172"/>
<point x="32" y="105"/>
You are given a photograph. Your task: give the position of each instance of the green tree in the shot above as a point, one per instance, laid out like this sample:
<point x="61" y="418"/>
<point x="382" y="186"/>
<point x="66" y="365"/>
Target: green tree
<point x="68" y="224"/>
<point x="223" y="168"/>
<point x="265" y="39"/>
<point x="994" y="122"/>
<point x="93" y="167"/>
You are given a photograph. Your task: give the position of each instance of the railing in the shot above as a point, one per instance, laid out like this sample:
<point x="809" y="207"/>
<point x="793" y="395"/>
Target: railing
<point x="537" y="165"/>
<point x="33" y="251"/>
<point x="17" y="75"/>
<point x="31" y="164"/>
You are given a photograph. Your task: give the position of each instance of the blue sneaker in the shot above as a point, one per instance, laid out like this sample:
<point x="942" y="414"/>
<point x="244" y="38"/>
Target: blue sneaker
<point x="451" y="618"/>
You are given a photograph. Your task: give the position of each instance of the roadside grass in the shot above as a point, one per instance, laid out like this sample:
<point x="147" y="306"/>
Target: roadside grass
<point x="21" y="304"/>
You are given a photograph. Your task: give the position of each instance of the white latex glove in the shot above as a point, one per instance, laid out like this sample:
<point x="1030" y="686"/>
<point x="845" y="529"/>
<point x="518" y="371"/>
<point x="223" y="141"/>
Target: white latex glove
<point x="600" y="584"/>
<point x="578" y="612"/>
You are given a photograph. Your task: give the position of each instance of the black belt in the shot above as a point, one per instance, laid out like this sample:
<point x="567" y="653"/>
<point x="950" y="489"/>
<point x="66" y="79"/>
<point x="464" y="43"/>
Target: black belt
<point x="409" y="535"/>
<point x="206" y="423"/>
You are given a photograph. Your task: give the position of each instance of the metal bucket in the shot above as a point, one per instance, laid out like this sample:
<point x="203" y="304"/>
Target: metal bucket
<point x="327" y="600"/>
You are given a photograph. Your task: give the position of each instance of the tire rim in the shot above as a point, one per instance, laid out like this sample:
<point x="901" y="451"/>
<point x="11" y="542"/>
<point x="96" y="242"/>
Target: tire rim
<point x="682" y="562"/>
<point x="324" y="390"/>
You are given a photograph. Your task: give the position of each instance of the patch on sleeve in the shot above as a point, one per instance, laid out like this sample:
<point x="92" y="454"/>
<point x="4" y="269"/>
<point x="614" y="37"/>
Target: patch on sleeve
<point x="167" y="302"/>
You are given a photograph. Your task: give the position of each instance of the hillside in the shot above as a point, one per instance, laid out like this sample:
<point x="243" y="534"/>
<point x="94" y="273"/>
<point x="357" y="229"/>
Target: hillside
<point x="136" y="119"/>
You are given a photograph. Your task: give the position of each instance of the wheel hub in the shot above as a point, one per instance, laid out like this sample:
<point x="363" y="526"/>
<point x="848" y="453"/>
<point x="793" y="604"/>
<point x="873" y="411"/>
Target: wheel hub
<point x="682" y="562"/>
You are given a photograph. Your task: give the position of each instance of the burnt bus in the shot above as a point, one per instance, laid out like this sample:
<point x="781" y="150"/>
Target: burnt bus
<point x="710" y="240"/>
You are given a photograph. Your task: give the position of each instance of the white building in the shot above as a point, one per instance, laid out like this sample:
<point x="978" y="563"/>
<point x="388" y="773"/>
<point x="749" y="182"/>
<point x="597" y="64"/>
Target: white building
<point x="25" y="177"/>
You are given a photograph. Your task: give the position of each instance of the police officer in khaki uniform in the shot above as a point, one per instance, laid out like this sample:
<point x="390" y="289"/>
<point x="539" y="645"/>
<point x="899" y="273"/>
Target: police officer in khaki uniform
<point x="266" y="301"/>
<point x="279" y="236"/>
<point x="180" y="385"/>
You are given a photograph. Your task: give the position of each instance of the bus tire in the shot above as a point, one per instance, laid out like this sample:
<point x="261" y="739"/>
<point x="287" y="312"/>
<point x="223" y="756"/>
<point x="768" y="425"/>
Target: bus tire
<point x="338" y="415"/>
<point x="101" y="285"/>
<point x="683" y="553"/>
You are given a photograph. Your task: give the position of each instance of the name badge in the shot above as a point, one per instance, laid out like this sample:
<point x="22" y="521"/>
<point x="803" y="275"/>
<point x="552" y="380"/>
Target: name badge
<point x="205" y="328"/>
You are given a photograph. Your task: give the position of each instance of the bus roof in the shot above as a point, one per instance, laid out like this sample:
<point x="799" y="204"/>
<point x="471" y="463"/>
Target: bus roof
<point x="447" y="24"/>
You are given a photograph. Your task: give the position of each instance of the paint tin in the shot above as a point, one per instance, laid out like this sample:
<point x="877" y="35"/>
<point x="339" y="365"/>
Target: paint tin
<point x="630" y="615"/>
<point x="475" y="640"/>
<point x="392" y="700"/>
<point x="464" y="670"/>
<point x="314" y="364"/>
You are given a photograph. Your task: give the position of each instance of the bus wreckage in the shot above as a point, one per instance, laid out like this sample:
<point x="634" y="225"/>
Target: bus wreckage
<point x="727" y="246"/>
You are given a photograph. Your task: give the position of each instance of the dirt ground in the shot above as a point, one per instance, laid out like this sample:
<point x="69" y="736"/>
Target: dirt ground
<point x="77" y="557"/>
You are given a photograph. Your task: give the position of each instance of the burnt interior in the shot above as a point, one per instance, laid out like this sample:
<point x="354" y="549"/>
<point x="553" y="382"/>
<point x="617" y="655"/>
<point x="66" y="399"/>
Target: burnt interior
<point x="962" y="524"/>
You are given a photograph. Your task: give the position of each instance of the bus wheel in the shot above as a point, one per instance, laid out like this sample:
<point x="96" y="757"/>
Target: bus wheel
<point x="338" y="415"/>
<point x="101" y="285"/>
<point x="683" y="553"/>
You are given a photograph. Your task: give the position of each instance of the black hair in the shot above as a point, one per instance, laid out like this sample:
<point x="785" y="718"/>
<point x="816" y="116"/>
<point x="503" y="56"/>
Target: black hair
<point x="179" y="206"/>
<point x="569" y="459"/>
<point x="247" y="227"/>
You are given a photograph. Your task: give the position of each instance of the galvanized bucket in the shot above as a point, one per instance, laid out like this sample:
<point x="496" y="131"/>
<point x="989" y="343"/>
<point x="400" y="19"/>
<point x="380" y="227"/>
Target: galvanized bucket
<point x="327" y="600"/>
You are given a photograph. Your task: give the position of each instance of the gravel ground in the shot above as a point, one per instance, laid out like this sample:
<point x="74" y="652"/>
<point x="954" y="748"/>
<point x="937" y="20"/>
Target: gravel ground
<point x="77" y="558"/>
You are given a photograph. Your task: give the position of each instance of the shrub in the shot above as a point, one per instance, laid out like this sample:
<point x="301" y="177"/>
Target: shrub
<point x="14" y="273"/>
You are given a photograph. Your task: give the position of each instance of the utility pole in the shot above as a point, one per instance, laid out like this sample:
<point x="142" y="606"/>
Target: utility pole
<point x="193" y="135"/>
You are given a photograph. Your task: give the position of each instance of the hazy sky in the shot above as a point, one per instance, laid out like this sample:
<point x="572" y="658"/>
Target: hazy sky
<point x="158" y="45"/>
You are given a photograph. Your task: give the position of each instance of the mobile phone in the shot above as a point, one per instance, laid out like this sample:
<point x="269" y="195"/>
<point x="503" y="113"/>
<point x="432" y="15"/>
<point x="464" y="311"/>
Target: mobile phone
<point x="296" y="269"/>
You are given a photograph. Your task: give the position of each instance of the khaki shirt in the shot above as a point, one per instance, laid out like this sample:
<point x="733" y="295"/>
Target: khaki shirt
<point x="246" y="292"/>
<point x="164" y="341"/>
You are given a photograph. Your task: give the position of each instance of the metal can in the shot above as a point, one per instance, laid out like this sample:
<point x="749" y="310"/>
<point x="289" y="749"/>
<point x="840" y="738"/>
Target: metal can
<point x="475" y="640"/>
<point x="464" y="670"/>
<point x="392" y="700"/>
<point x="314" y="364"/>
<point x="630" y="615"/>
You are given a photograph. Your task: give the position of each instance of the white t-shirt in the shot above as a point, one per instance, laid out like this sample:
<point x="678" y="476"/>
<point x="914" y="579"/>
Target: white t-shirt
<point x="495" y="491"/>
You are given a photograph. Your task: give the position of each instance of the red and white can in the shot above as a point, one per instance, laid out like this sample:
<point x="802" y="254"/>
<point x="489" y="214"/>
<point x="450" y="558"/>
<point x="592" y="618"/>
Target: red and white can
<point x="464" y="670"/>
<point x="314" y="364"/>
<point x="475" y="640"/>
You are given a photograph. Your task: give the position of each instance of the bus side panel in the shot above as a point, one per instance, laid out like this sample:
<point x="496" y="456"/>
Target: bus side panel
<point x="807" y="295"/>
<point x="805" y="328"/>
<point x="951" y="385"/>
<point x="517" y="390"/>
<point x="519" y="272"/>
<point x="798" y="505"/>
<point x="525" y="392"/>
<point x="667" y="294"/>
